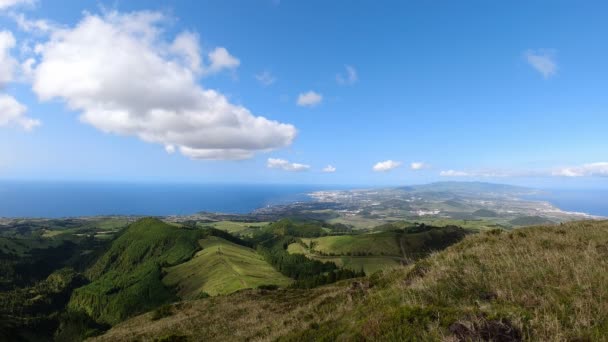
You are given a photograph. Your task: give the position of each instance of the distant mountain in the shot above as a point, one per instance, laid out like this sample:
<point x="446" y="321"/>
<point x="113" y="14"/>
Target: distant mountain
<point x="485" y="213"/>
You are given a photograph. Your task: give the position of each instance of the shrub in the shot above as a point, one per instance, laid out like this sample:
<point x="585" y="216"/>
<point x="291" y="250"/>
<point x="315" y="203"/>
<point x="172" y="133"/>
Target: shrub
<point x="162" y="312"/>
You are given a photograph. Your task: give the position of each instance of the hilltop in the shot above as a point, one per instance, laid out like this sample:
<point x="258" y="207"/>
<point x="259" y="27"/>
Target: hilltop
<point x="537" y="283"/>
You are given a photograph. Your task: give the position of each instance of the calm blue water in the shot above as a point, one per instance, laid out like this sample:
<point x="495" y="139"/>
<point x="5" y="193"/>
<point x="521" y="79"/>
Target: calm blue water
<point x="594" y="202"/>
<point x="37" y="199"/>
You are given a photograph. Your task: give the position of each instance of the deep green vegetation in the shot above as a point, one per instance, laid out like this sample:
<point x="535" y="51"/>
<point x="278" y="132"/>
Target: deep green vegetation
<point x="127" y="279"/>
<point x="536" y="284"/>
<point x="32" y="313"/>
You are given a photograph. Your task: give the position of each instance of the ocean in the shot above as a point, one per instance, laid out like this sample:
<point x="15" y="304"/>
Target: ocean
<point x="53" y="200"/>
<point x="70" y="199"/>
<point x="589" y="201"/>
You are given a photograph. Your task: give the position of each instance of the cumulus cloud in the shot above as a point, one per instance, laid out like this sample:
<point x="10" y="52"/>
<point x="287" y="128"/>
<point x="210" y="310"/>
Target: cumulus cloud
<point x="221" y="59"/>
<point x="418" y="166"/>
<point x="275" y="163"/>
<point x="119" y="72"/>
<point x="349" y="78"/>
<point x="11" y="111"/>
<point x="386" y="165"/>
<point x="542" y="61"/>
<point x="309" y="99"/>
<point x="187" y="45"/>
<point x="4" y="4"/>
<point x="592" y="169"/>
<point x="329" y="169"/>
<point x="265" y="78"/>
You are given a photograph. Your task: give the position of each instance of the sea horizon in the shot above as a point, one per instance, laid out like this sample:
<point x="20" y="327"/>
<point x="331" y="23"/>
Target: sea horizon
<point x="60" y="199"/>
<point x="47" y="199"/>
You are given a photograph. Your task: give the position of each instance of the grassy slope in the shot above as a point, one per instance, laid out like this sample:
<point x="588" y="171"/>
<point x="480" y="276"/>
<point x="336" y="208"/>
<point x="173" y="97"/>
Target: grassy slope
<point x="540" y="283"/>
<point x="222" y="267"/>
<point x="237" y="228"/>
<point x="376" y="244"/>
<point x="369" y="264"/>
<point x="127" y="279"/>
<point x="378" y="251"/>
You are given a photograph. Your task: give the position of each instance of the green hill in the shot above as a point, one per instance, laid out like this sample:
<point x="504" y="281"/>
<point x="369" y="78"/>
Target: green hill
<point x="538" y="284"/>
<point x="126" y="280"/>
<point x="222" y="267"/>
<point x="485" y="213"/>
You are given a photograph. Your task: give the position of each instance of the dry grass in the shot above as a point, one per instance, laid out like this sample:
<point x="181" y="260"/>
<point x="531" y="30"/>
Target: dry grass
<point x="552" y="282"/>
<point x="247" y="315"/>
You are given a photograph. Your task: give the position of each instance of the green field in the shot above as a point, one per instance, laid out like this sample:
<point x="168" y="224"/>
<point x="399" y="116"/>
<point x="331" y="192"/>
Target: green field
<point x="392" y="245"/>
<point x="369" y="264"/>
<point x="384" y="243"/>
<point x="22" y="247"/>
<point x="357" y="222"/>
<point x="222" y="267"/>
<point x="370" y="252"/>
<point x="234" y="227"/>
<point x="473" y="225"/>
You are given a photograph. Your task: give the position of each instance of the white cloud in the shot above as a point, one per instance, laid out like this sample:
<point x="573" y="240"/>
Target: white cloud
<point x="187" y="45"/>
<point x="309" y="99"/>
<point x="349" y="78"/>
<point x="274" y="163"/>
<point x="454" y="173"/>
<point x="386" y="165"/>
<point x="329" y="169"/>
<point x="170" y="149"/>
<point x="592" y="169"/>
<point x="221" y="59"/>
<point x="126" y="79"/>
<point x="265" y="78"/>
<point x="543" y="61"/>
<point x="11" y="111"/>
<point x="4" y="4"/>
<point x="599" y="169"/>
<point x="418" y="165"/>
<point x="7" y="62"/>
<point x="490" y="173"/>
<point x="33" y="25"/>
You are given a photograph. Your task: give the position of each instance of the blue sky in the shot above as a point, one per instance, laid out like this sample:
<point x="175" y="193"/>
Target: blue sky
<point x="511" y="92"/>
